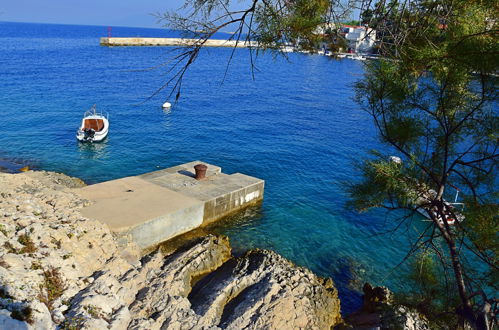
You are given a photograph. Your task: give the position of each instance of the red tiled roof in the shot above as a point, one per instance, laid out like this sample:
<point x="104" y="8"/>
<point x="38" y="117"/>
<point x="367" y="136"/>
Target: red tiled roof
<point x="354" y="26"/>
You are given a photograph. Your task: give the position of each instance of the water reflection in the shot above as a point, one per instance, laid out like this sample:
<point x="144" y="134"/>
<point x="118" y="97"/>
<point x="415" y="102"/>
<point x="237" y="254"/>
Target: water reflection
<point x="167" y="111"/>
<point x="166" y="117"/>
<point x="93" y="150"/>
<point x="249" y="216"/>
<point x="245" y="221"/>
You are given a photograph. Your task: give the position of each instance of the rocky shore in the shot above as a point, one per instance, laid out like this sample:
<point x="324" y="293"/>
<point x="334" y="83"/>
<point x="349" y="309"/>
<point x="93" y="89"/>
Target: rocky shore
<point x="61" y="270"/>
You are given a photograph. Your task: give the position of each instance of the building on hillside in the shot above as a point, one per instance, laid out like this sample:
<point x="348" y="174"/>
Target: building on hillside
<point x="346" y="38"/>
<point x="360" y="39"/>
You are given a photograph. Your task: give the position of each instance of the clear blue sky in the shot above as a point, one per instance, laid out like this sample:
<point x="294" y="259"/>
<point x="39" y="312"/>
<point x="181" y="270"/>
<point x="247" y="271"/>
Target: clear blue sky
<point x="92" y="12"/>
<point x="87" y="12"/>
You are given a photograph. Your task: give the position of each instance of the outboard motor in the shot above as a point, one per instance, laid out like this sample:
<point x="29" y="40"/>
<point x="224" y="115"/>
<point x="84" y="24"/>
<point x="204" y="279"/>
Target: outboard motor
<point x="89" y="134"/>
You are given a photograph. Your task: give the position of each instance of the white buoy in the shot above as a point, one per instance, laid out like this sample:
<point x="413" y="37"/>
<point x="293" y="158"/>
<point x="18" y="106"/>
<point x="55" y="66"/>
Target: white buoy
<point x="396" y="160"/>
<point x="167" y="105"/>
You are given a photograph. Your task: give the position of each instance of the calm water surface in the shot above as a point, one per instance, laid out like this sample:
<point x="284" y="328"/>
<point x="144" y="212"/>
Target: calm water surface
<point x="295" y="126"/>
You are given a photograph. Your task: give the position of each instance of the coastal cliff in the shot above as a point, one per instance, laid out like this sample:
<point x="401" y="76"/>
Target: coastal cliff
<point x="59" y="269"/>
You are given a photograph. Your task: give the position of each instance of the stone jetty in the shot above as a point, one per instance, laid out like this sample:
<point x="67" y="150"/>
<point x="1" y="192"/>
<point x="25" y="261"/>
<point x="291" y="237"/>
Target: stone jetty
<point x="177" y="42"/>
<point x="154" y="207"/>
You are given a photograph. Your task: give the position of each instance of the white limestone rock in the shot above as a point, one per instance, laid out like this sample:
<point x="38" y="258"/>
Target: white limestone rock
<point x="379" y="312"/>
<point x="6" y="322"/>
<point x="42" y="229"/>
<point x="44" y="241"/>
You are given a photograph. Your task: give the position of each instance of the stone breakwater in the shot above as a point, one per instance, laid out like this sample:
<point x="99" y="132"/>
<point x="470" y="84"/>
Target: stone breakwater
<point x="176" y="42"/>
<point x="60" y="269"/>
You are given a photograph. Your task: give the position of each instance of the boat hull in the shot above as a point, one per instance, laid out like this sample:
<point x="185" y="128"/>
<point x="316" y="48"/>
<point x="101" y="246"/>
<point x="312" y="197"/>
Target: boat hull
<point x="97" y="136"/>
<point x="450" y="219"/>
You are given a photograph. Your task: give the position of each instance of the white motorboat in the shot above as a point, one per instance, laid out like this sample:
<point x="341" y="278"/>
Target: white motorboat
<point x="359" y="58"/>
<point x="94" y="126"/>
<point x="452" y="210"/>
<point x="450" y="219"/>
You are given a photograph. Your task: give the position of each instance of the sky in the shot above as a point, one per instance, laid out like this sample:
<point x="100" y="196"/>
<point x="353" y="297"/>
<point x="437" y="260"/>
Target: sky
<point x="139" y="13"/>
<point x="87" y="12"/>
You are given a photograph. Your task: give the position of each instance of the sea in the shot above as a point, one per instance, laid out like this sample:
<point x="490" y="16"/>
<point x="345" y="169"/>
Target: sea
<point x="291" y="121"/>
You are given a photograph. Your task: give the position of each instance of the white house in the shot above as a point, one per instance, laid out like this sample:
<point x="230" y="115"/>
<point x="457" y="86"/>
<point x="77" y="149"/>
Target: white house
<point x="360" y="39"/>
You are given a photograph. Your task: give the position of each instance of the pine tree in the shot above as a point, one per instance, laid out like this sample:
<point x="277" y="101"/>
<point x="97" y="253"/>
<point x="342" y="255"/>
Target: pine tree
<point x="433" y="101"/>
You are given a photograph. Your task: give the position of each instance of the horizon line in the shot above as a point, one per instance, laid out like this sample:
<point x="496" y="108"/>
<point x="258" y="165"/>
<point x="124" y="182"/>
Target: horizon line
<point x="105" y="26"/>
<point x="73" y="24"/>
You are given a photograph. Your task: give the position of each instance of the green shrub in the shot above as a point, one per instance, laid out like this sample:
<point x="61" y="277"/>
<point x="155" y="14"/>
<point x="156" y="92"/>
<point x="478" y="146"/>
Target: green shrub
<point x="53" y="287"/>
<point x="29" y="245"/>
<point x="25" y="314"/>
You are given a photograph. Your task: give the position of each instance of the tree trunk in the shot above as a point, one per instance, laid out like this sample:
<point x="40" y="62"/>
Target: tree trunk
<point x="467" y="310"/>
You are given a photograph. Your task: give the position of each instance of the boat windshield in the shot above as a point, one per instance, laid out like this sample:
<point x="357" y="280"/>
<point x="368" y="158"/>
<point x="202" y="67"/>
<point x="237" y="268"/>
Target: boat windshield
<point x="95" y="124"/>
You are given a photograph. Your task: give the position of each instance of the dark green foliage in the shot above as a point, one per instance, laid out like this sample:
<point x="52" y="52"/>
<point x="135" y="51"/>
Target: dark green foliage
<point x="29" y="245"/>
<point x="53" y="287"/>
<point x="25" y="314"/>
<point x="93" y="311"/>
<point x="4" y="294"/>
<point x="270" y="23"/>
<point x="432" y="292"/>
<point x="295" y="23"/>
<point x="35" y="265"/>
<point x="384" y="182"/>
<point x="484" y="229"/>
<point x="3" y="230"/>
<point x="352" y="22"/>
<point x="10" y="248"/>
<point x="56" y="242"/>
<point x="72" y="323"/>
<point x="432" y="100"/>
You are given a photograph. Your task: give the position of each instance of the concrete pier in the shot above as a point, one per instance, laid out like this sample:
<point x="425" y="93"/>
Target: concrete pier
<point x="177" y="42"/>
<point x="151" y="208"/>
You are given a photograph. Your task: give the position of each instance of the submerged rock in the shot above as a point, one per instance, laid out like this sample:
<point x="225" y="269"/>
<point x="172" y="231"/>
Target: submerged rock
<point x="379" y="312"/>
<point x="58" y="269"/>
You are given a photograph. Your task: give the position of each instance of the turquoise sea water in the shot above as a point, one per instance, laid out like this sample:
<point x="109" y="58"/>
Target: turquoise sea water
<point x="295" y="125"/>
